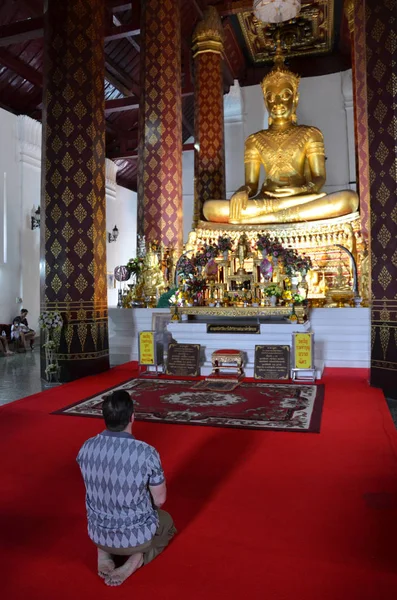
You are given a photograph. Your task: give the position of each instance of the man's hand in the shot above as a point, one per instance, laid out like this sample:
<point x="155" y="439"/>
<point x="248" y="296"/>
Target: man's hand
<point x="238" y="203"/>
<point x="159" y="494"/>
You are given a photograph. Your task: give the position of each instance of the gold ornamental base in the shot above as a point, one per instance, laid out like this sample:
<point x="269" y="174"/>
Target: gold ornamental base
<point x="282" y="312"/>
<point x="321" y="240"/>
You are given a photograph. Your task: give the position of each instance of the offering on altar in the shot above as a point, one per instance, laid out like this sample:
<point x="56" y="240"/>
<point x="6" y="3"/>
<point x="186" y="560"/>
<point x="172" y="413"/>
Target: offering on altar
<point x="258" y="274"/>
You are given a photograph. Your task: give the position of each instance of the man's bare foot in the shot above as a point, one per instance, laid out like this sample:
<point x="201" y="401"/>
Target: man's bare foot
<point x="105" y="564"/>
<point x="119" y="575"/>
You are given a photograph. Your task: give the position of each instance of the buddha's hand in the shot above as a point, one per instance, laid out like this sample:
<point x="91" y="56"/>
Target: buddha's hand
<point x="287" y="192"/>
<point x="238" y="203"/>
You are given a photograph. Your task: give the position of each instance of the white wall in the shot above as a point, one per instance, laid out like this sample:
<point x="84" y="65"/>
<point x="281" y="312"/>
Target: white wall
<point x="29" y="150"/>
<point x="10" y="271"/>
<point x="121" y="210"/>
<point x="187" y="191"/>
<point x="325" y="102"/>
<point x="20" y="159"/>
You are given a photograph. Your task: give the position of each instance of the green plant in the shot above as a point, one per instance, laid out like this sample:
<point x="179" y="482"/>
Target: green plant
<point x="273" y="290"/>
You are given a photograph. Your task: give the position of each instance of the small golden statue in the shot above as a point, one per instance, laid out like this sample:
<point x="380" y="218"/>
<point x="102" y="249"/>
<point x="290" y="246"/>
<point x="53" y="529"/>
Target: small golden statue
<point x="294" y="162"/>
<point x="152" y="277"/>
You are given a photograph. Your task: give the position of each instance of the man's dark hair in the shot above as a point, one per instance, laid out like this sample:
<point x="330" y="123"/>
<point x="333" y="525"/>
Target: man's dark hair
<point x="24" y="310"/>
<point x="117" y="410"/>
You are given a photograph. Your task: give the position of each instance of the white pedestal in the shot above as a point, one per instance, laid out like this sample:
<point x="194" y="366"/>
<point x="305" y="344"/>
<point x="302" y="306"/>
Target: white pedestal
<point x="186" y="332"/>
<point x="342" y="336"/>
<point x="124" y="327"/>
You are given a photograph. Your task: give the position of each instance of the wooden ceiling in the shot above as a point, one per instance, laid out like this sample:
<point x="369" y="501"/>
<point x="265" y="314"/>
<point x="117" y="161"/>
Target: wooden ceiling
<point x="21" y="62"/>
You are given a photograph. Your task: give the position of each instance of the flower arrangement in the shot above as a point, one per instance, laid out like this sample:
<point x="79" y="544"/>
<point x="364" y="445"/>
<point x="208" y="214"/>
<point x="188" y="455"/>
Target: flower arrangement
<point x="287" y="295"/>
<point x="135" y="266"/>
<point x="273" y="290"/>
<point x="297" y="299"/>
<point x="205" y="254"/>
<point x="176" y="299"/>
<point x="185" y="266"/>
<point x="225" y="243"/>
<point x="50" y="320"/>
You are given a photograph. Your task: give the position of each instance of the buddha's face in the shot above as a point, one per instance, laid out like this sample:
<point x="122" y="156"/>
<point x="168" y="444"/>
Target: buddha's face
<point x="280" y="101"/>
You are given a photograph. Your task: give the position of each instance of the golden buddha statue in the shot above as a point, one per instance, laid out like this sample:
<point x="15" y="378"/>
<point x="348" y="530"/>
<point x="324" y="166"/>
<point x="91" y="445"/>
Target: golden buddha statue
<point x="294" y="162"/>
<point x="152" y="279"/>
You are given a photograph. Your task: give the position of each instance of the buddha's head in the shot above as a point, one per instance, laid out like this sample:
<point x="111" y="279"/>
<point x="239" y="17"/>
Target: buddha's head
<point x="280" y="91"/>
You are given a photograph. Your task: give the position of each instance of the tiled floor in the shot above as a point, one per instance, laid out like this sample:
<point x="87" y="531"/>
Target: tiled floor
<point x="20" y="377"/>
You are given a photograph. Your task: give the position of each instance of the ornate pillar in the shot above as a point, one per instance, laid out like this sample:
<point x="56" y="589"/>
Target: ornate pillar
<point x="73" y="230"/>
<point x="381" y="47"/>
<point x="209" y="167"/>
<point x="355" y="14"/>
<point x="160" y="124"/>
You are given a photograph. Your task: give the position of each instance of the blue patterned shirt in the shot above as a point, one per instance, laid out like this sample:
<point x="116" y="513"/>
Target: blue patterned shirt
<point x="117" y="470"/>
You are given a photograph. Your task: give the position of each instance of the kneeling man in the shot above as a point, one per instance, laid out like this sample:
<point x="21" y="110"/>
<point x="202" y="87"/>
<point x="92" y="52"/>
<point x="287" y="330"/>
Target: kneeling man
<point x="125" y="488"/>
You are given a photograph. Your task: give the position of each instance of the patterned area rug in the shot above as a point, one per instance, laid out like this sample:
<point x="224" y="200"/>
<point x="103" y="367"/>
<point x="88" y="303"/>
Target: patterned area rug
<point x="253" y="405"/>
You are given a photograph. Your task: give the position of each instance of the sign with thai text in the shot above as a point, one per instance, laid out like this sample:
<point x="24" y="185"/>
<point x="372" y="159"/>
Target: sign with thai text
<point x="183" y="360"/>
<point x="147" y="348"/>
<point x="272" y="362"/>
<point x="303" y="351"/>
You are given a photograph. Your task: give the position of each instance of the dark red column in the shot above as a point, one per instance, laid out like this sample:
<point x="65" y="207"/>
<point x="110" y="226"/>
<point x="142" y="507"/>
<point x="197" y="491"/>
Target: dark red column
<point x="73" y="190"/>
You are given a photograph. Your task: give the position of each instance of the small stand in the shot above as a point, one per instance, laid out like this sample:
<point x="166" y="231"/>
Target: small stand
<point x="303" y="357"/>
<point x="120" y="299"/>
<point x="303" y="375"/>
<point x="148" y="355"/>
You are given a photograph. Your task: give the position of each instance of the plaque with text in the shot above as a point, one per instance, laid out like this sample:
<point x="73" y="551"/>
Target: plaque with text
<point x="183" y="360"/>
<point x="227" y="328"/>
<point x="272" y="362"/>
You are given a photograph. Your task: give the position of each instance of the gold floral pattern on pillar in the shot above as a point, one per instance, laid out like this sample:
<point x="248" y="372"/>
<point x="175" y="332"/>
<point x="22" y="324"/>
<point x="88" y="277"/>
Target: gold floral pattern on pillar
<point x="74" y="232"/>
<point x="381" y="52"/>
<point x="160" y="124"/>
<point x="356" y="16"/>
<point x="209" y="118"/>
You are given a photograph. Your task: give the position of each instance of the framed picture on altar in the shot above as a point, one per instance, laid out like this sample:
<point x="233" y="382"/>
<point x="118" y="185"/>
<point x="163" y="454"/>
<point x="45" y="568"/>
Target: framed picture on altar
<point x="160" y="322"/>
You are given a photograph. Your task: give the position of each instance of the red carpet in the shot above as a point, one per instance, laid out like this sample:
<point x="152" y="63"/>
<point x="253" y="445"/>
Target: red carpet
<point x="261" y="514"/>
<point x="254" y="405"/>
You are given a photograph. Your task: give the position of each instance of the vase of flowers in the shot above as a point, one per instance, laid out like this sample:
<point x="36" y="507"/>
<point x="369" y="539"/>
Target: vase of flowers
<point x="273" y="292"/>
<point x="225" y="245"/>
<point x="51" y="323"/>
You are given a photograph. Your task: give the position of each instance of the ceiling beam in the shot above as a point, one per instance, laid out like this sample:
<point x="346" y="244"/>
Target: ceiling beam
<point x="123" y="31"/>
<point x="21" y="31"/>
<point x="31" y="7"/>
<point x="120" y="155"/>
<point x="233" y="8"/>
<point x="30" y="29"/>
<point x="118" y="5"/>
<point x="130" y="39"/>
<point x="187" y="125"/>
<point x="21" y="68"/>
<point x="121" y="104"/>
<point x="198" y="8"/>
<point x="126" y="84"/>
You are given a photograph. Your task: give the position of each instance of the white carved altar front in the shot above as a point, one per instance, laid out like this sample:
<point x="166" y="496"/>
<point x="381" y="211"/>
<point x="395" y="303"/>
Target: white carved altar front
<point x="341" y="336"/>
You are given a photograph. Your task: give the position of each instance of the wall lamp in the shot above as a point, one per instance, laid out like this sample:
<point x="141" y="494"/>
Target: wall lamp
<point x="112" y="237"/>
<point x="35" y="218"/>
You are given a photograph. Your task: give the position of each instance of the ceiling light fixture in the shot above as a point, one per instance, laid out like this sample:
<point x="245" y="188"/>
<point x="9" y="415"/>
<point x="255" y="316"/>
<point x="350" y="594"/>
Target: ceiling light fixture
<point x="276" y="11"/>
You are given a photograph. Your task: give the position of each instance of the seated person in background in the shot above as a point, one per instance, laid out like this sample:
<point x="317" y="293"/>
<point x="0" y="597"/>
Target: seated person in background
<point x="17" y="332"/>
<point x="29" y="333"/>
<point x="4" y="349"/>
<point x="125" y="488"/>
